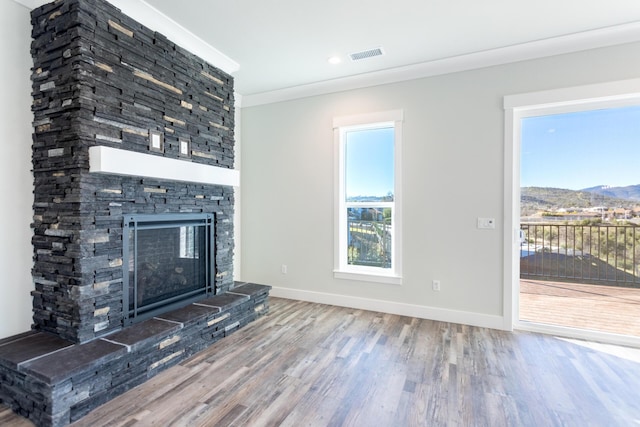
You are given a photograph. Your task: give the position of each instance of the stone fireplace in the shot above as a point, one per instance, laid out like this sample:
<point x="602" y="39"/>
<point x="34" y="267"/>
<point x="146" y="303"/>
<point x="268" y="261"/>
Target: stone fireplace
<point x="101" y="80"/>
<point x="133" y="153"/>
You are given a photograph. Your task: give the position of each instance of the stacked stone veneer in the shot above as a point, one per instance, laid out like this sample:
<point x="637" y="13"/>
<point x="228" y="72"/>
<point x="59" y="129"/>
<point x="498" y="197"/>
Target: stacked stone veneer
<point x="101" y="78"/>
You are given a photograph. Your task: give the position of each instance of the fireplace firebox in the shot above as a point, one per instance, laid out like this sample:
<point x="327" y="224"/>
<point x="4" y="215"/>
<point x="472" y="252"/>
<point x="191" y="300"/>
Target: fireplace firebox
<point x="167" y="262"/>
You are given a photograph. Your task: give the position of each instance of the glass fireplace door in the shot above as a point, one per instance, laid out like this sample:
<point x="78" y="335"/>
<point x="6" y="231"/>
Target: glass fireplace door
<point x="168" y="262"/>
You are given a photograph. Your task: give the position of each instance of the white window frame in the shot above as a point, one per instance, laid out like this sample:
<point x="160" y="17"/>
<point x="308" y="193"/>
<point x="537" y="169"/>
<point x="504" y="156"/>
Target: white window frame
<point x="342" y="270"/>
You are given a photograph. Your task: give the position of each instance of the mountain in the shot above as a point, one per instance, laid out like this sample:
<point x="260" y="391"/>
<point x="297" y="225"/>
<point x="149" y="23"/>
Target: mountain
<point x="630" y="192"/>
<point x="544" y="198"/>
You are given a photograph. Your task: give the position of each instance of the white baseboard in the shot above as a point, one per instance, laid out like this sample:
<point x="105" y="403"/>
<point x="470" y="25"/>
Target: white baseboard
<point x="411" y="310"/>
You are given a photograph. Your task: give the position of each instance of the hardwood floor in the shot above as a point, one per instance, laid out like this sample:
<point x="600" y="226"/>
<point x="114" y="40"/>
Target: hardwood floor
<point x="308" y="364"/>
<point x="10" y="419"/>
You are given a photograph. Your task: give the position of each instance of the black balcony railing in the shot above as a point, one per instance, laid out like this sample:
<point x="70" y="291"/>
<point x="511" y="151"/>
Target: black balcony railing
<point x="369" y="243"/>
<point x="599" y="254"/>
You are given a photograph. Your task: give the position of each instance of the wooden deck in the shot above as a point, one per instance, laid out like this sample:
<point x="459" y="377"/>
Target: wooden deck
<point x="600" y="308"/>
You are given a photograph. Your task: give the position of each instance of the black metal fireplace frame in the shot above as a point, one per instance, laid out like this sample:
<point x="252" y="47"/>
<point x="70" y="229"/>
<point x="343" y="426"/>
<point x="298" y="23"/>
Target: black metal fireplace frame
<point x="134" y="223"/>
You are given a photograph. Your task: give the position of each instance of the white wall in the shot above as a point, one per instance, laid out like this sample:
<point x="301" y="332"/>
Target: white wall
<point x="16" y="181"/>
<point x="452" y="174"/>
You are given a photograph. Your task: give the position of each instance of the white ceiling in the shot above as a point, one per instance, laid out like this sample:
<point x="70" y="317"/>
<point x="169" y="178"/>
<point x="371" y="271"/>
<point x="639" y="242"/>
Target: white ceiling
<point x="285" y="43"/>
<point x="282" y="46"/>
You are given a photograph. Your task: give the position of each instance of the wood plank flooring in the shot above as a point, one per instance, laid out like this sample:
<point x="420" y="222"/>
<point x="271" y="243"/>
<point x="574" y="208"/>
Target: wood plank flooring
<point x="308" y="364"/>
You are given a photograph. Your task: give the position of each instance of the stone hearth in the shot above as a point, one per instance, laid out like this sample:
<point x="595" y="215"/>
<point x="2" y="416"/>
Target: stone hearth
<point x="53" y="381"/>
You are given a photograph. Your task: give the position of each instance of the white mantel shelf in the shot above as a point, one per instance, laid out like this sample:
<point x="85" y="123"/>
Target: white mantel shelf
<point x="130" y="163"/>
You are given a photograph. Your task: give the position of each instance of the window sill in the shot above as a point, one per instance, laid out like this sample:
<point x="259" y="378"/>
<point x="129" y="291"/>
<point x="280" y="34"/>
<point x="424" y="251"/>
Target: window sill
<point x="368" y="277"/>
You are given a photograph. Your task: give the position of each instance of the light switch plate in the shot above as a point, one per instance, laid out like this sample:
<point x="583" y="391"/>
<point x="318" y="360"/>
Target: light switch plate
<point x="487" y="223"/>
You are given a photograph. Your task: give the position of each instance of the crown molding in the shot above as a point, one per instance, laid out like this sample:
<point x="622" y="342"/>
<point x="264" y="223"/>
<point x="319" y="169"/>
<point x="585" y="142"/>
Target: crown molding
<point x="152" y="18"/>
<point x="603" y="37"/>
<point x="31" y="4"/>
<point x="149" y="16"/>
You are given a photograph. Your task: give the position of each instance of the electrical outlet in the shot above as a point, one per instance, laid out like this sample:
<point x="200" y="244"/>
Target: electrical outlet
<point x="436" y="285"/>
<point x="283" y="269"/>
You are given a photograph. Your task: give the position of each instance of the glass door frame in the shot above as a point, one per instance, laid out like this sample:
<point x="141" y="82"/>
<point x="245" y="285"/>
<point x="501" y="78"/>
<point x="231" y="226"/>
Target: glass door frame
<point x="573" y="99"/>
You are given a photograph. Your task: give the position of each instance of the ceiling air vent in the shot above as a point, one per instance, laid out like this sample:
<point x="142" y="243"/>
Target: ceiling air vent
<point x="357" y="56"/>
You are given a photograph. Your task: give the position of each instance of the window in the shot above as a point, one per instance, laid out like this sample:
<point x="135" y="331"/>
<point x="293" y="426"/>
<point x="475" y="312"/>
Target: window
<point x="368" y="220"/>
<point x="188" y="243"/>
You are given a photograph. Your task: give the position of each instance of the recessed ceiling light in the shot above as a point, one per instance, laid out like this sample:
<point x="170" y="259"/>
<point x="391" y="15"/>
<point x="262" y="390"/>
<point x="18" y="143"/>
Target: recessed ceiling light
<point x="334" y="60"/>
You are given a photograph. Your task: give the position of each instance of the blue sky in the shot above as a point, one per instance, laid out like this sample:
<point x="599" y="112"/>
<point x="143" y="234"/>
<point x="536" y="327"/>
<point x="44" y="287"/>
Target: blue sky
<point x="369" y="162"/>
<point x="581" y="150"/>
